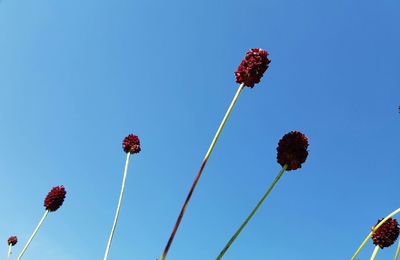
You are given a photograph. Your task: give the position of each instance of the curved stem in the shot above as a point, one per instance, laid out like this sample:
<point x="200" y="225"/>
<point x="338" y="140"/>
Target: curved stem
<point x="397" y="251"/>
<point x="9" y="251"/>
<point x="373" y="230"/>
<point x="374" y="253"/>
<point x="362" y="245"/>
<point x="252" y="213"/>
<point x="385" y="219"/>
<point x="118" y="206"/>
<point x="210" y="149"/>
<point x="33" y="234"/>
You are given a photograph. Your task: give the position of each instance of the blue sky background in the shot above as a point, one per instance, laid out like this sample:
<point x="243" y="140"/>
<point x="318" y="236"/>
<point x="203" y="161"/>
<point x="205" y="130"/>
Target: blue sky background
<point x="77" y="76"/>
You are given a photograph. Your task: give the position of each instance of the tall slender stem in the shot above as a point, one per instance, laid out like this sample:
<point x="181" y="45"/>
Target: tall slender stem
<point x="362" y="245"/>
<point x="374" y="253"/>
<point x="9" y="251"/>
<point x="118" y="207"/>
<point x="397" y="251"/>
<point x="203" y="164"/>
<point x="252" y="212"/>
<point x="33" y="234"/>
<point x="373" y="230"/>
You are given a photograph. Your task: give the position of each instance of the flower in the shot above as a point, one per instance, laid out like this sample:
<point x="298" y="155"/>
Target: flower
<point x="131" y="144"/>
<point x="292" y="150"/>
<point x="386" y="234"/>
<point x="55" y="198"/>
<point x="252" y="68"/>
<point x="12" y="240"/>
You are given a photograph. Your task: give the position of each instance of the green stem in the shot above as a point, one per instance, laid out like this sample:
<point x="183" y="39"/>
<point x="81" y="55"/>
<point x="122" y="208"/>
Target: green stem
<point x="203" y="164"/>
<point x="9" y="251"/>
<point x="223" y="122"/>
<point x="118" y="206"/>
<point x="397" y="251"/>
<point x="33" y="234"/>
<point x="252" y="213"/>
<point x="374" y="253"/>
<point x="373" y="230"/>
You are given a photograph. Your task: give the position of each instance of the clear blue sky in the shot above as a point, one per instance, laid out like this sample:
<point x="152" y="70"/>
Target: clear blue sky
<point x="77" y="76"/>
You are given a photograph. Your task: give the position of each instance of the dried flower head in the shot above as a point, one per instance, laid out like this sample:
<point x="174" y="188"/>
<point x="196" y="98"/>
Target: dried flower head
<point x="252" y="68"/>
<point x="55" y="198"/>
<point x="292" y="150"/>
<point x="386" y="234"/>
<point x="12" y="240"/>
<point x="131" y="144"/>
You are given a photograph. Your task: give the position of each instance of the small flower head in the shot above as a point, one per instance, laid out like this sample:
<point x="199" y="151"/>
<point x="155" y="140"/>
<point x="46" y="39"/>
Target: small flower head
<point x="292" y="150"/>
<point x="252" y="68"/>
<point x="131" y="144"/>
<point x="55" y="198"/>
<point x="386" y="234"/>
<point x="12" y="240"/>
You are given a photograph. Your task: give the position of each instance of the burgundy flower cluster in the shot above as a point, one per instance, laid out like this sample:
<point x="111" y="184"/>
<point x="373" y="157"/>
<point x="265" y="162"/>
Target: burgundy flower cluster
<point x="131" y="144"/>
<point x="12" y="240"/>
<point x="292" y="150"/>
<point x="252" y="68"/>
<point x="55" y="198"/>
<point x="387" y="233"/>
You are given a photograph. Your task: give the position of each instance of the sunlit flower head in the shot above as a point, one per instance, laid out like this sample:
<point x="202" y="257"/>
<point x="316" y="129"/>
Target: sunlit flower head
<point x="387" y="233"/>
<point x="55" y="198"/>
<point x="12" y="240"/>
<point x="292" y="150"/>
<point x="131" y="144"/>
<point x="252" y="68"/>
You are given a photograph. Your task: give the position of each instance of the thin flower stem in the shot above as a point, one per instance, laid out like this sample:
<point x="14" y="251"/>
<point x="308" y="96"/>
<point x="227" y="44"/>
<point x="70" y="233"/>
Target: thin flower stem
<point x="362" y="245"/>
<point x="118" y="207"/>
<point x="33" y="234"/>
<point x="373" y="230"/>
<point x="210" y="149"/>
<point x="9" y="251"/>
<point x="252" y="212"/>
<point x="374" y="253"/>
<point x="221" y="126"/>
<point x="397" y="251"/>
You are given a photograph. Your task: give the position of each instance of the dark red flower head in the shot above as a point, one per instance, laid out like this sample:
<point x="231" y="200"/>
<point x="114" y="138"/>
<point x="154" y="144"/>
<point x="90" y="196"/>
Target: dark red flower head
<point x="55" y="198"/>
<point x="292" y="150"/>
<point x="131" y="144"/>
<point x="387" y="233"/>
<point x="252" y="68"/>
<point x="12" y="240"/>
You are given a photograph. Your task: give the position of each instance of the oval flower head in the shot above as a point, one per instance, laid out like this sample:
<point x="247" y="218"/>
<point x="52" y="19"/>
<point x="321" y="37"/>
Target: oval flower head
<point x="386" y="234"/>
<point x="252" y="68"/>
<point x="292" y="150"/>
<point x="131" y="144"/>
<point x="55" y="198"/>
<point x="12" y="240"/>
